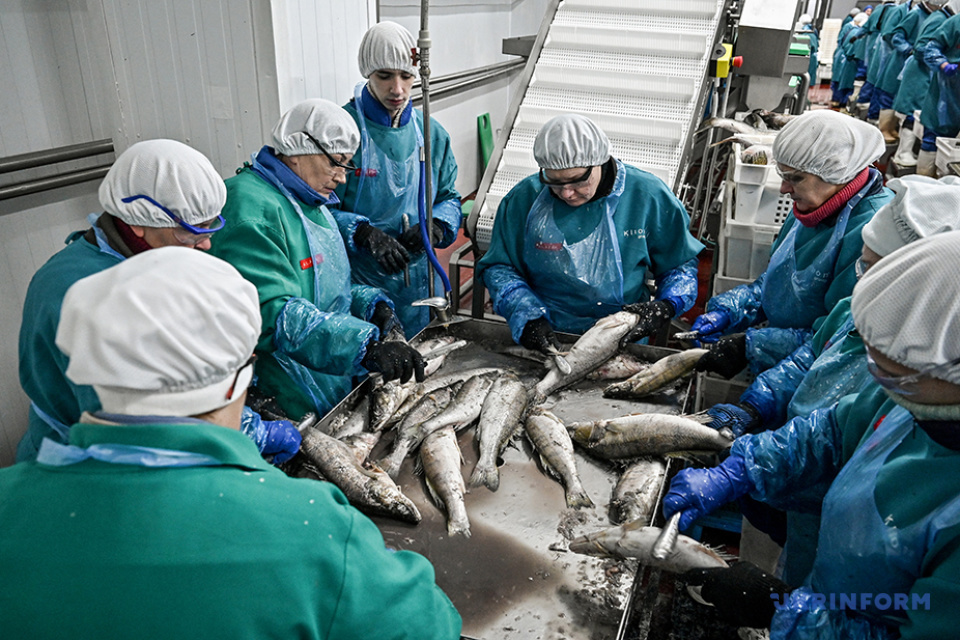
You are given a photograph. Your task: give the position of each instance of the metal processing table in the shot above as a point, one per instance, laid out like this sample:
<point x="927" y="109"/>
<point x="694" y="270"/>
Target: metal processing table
<point x="514" y="578"/>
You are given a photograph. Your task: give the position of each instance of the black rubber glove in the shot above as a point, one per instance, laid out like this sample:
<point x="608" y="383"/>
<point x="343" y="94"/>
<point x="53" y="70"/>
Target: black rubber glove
<point x="413" y="241"/>
<point x="384" y="318"/>
<point x="385" y="248"/>
<point x="741" y="593"/>
<point x="395" y="360"/>
<point x="727" y="356"/>
<point x="538" y="336"/>
<point x="654" y="315"/>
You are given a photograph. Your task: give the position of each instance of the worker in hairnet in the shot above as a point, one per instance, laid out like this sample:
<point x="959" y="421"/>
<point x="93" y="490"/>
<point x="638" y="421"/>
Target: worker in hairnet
<point x="159" y="519"/>
<point x="378" y="213"/>
<point x="823" y="158"/>
<point x="884" y="464"/>
<point x="914" y="85"/>
<point x="805" y="27"/>
<point x="158" y="193"/>
<point x="872" y="49"/>
<point x="840" y="51"/>
<point x="849" y="17"/>
<point x="831" y="363"/>
<point x="903" y="38"/>
<point x="940" y="114"/>
<point x="579" y="240"/>
<point x="319" y="330"/>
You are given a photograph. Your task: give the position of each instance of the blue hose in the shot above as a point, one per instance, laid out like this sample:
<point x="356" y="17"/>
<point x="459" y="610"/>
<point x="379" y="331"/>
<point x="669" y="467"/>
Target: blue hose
<point x="425" y="232"/>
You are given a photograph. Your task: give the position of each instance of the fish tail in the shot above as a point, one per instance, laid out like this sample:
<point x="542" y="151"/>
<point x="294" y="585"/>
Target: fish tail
<point x="577" y="498"/>
<point x="487" y="476"/>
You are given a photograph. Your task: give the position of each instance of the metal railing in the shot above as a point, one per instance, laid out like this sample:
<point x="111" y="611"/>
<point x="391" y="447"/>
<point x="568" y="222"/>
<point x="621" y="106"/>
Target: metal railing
<point x="50" y="158"/>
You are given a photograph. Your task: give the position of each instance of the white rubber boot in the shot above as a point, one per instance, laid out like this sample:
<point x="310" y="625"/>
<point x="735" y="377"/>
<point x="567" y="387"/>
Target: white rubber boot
<point x="904" y="156"/>
<point x="887" y="124"/>
<point x="927" y="164"/>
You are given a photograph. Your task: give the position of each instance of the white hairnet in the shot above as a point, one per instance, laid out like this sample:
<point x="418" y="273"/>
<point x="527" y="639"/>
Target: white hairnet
<point x="954" y="5"/>
<point x="907" y="306"/>
<point x="921" y="207"/>
<point x="854" y="11"/>
<point x="829" y="145"/>
<point x="328" y="123"/>
<point x="161" y="333"/>
<point x="177" y="176"/>
<point x="802" y="21"/>
<point x="569" y="141"/>
<point x="386" y="45"/>
<point x="860" y="19"/>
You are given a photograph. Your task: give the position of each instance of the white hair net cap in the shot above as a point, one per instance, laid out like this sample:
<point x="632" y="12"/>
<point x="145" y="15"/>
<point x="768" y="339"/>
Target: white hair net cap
<point x="829" y="145"/>
<point x="161" y="333"/>
<point x="907" y="305"/>
<point x="328" y="123"/>
<point x="922" y="207"/>
<point x="803" y="20"/>
<point x="569" y="141"/>
<point x="854" y="11"/>
<point x="386" y="45"/>
<point x="177" y="176"/>
<point x="860" y="18"/>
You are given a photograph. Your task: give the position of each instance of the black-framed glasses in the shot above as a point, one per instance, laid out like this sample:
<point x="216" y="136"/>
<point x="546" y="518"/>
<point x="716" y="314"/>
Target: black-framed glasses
<point x="905" y="385"/>
<point x="236" y="377"/>
<point x="575" y="183"/>
<point x="346" y="166"/>
<point x="196" y="235"/>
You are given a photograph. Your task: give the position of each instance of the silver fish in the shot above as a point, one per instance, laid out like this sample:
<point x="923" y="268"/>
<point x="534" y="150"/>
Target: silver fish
<point x="409" y="432"/>
<point x="500" y="418"/>
<point x="635" y="496"/>
<point x="729" y="124"/>
<point x="362" y="444"/>
<point x="351" y="422"/>
<point x="464" y="408"/>
<point x="440" y="460"/>
<point x="636" y="540"/>
<point x="434" y="383"/>
<point x="370" y="490"/>
<point x="549" y="437"/>
<point x="620" y="366"/>
<point x="646" y="434"/>
<point x="594" y="347"/>
<point x="656" y="376"/>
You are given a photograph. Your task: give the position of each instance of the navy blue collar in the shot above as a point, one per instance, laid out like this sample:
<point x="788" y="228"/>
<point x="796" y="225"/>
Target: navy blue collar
<point x="946" y="433"/>
<point x="376" y="112"/>
<point x="303" y="192"/>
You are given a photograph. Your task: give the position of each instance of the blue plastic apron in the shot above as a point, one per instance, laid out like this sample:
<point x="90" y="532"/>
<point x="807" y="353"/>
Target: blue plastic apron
<point x="793" y="299"/>
<point x="860" y="553"/>
<point x="386" y="191"/>
<point x="580" y="282"/>
<point x="332" y="294"/>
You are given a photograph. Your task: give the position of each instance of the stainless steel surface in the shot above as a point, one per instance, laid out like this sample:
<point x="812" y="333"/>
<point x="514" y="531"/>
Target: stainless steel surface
<point x="437" y="302"/>
<point x="667" y="539"/>
<point x="53" y="156"/>
<point x="406" y="267"/>
<point x="513" y="578"/>
<point x="686" y="335"/>
<point x="764" y="36"/>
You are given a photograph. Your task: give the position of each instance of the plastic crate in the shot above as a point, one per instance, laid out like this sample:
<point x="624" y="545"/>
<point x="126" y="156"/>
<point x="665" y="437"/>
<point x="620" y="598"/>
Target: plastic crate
<point x="758" y="197"/>
<point x="948" y="150"/>
<point x="745" y="249"/>
<point x="712" y="389"/>
<point x="722" y="283"/>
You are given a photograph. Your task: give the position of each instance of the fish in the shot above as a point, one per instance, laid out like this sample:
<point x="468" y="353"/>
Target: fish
<point x="440" y="461"/>
<point x="362" y="444"/>
<point x="636" y="539"/>
<point x="646" y="434"/>
<point x="465" y="406"/>
<point x="517" y="351"/>
<point x="434" y="383"/>
<point x="600" y="343"/>
<point x="656" y="376"/>
<point x="500" y="419"/>
<point x="620" y="366"/>
<point x="729" y="124"/>
<point x="757" y="154"/>
<point x="409" y="432"/>
<point x="635" y="496"/>
<point x="370" y="490"/>
<point x="764" y="119"/>
<point x="352" y="422"/>
<point x="552" y="442"/>
<point x="763" y="138"/>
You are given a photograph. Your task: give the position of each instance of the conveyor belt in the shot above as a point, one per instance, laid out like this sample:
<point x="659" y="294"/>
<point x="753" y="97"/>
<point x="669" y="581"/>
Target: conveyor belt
<point x="638" y="68"/>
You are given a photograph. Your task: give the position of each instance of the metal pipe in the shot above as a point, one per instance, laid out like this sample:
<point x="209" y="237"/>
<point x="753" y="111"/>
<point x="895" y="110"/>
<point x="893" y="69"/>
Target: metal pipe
<point x="498" y="66"/>
<point x="52" y="156"/>
<point x="423" y="47"/>
<point x="456" y="88"/>
<point x="53" y="182"/>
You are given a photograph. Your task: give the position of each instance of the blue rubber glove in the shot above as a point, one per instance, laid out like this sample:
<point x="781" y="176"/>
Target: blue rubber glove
<point x="949" y="70"/>
<point x="698" y="492"/>
<point x="710" y="325"/>
<point x="282" y="440"/>
<point x="739" y="418"/>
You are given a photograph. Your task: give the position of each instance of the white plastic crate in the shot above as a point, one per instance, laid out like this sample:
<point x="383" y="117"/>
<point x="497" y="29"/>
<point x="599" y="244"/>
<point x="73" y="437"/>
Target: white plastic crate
<point x="948" y="150"/>
<point x="745" y="249"/>
<point x="722" y="283"/>
<point x="712" y="389"/>
<point x="758" y="197"/>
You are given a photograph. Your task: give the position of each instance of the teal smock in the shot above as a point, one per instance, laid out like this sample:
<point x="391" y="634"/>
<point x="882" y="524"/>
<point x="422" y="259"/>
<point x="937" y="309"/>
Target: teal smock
<point x="743" y="303"/>
<point x="265" y="240"/>
<point x="792" y="468"/>
<point x="399" y="145"/>
<point x="916" y="75"/>
<point x="813" y="40"/>
<point x="877" y="49"/>
<point x="235" y="550"/>
<point x="849" y="58"/>
<point x="651" y="228"/>
<point x="941" y="106"/>
<point x="902" y="38"/>
<point x="42" y="365"/>
<point x="838" y="51"/>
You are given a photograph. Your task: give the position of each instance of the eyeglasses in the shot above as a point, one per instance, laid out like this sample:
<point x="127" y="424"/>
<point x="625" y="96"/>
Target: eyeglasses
<point x="905" y="385"/>
<point x="249" y="363"/>
<point x="195" y="236"/>
<point x="346" y="166"/>
<point x="558" y="185"/>
<point x="792" y="177"/>
<point x="860" y="267"/>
